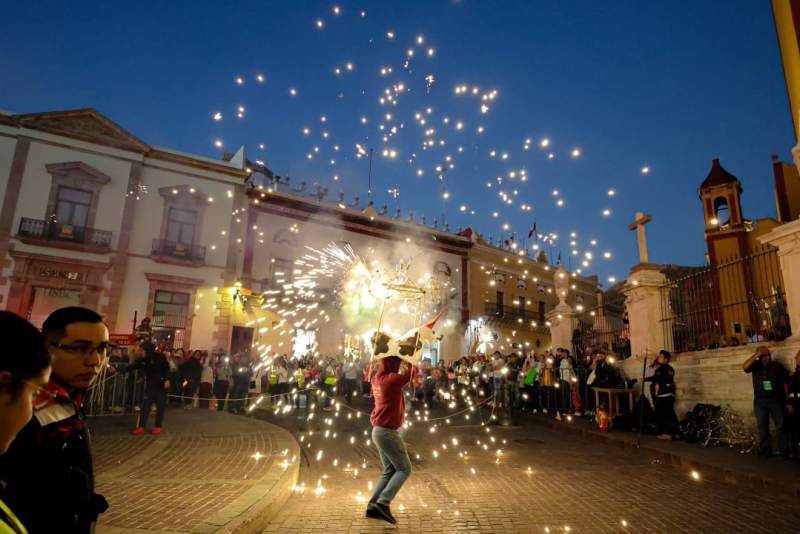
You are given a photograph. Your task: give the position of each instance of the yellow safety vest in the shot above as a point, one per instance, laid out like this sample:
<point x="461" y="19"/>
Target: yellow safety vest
<point x="330" y="380"/>
<point x="462" y="377"/>
<point x="9" y="524"/>
<point x="299" y="375"/>
<point x="273" y="376"/>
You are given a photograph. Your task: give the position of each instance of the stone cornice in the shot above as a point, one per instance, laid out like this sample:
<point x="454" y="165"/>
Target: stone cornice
<point x="785" y="237"/>
<point x="183" y="280"/>
<point x="309" y="210"/>
<point x="88" y="171"/>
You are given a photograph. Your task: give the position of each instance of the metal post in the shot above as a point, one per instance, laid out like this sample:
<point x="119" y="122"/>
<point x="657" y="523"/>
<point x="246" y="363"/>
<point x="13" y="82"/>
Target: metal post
<point x="638" y="441"/>
<point x="369" y="180"/>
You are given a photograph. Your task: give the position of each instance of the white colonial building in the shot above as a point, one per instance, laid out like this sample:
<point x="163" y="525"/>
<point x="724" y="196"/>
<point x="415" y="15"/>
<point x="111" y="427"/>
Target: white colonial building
<point x="93" y="216"/>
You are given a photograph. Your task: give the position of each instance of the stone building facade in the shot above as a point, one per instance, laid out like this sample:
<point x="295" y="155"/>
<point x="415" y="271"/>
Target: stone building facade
<point x="512" y="295"/>
<point x="93" y="216"/>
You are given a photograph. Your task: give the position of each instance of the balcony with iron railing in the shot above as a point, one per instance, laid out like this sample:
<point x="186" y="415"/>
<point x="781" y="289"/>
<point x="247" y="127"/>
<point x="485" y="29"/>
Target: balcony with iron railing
<point x="515" y="316"/>
<point x="163" y="320"/>
<point x="47" y="233"/>
<point x="172" y="251"/>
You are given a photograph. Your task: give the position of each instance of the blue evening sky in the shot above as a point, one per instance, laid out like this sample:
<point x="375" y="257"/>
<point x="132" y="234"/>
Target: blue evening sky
<point x="669" y="85"/>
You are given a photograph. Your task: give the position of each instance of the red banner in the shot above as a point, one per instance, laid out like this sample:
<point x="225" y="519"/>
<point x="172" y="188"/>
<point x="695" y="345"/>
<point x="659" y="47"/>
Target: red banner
<point x="122" y="339"/>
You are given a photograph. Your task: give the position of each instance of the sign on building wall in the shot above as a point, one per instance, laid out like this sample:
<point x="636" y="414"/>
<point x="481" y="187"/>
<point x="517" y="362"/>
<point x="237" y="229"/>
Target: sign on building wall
<point x="49" y="272"/>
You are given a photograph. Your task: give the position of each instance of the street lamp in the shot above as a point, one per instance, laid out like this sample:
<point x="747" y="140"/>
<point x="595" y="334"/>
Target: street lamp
<point x="363" y="151"/>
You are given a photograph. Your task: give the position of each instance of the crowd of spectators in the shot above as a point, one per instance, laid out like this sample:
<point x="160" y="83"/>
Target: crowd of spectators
<point x="546" y="382"/>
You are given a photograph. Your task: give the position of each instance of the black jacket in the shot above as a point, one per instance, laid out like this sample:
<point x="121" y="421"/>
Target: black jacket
<point x="794" y="388"/>
<point x="191" y="369"/>
<point x="664" y="377"/>
<point x="155" y="368"/>
<point x="606" y="375"/>
<point x="48" y="470"/>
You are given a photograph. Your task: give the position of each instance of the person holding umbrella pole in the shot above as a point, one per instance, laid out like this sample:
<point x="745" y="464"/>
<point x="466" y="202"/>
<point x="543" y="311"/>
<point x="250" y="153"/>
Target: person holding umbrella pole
<point x="662" y="392"/>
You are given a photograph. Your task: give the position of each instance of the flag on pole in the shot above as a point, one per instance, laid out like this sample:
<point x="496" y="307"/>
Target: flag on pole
<point x="532" y="230"/>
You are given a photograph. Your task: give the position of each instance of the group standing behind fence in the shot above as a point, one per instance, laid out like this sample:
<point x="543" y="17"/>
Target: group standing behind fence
<point x="551" y="382"/>
<point x="546" y="382"/>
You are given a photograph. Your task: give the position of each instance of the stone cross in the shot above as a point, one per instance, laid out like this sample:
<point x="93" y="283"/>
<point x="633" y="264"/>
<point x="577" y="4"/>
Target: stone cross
<point x="638" y="225"/>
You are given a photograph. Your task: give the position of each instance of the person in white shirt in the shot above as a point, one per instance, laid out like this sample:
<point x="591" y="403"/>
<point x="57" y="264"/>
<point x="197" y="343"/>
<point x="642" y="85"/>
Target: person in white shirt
<point x="350" y="373"/>
<point x="569" y="381"/>
<point x="498" y="365"/>
<point x="283" y="379"/>
<point x="538" y="363"/>
<point x="255" y="388"/>
<point x="206" y="383"/>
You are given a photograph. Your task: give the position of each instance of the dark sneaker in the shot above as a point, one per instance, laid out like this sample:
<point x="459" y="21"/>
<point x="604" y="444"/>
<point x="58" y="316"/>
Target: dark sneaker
<point x="372" y="511"/>
<point x="380" y="511"/>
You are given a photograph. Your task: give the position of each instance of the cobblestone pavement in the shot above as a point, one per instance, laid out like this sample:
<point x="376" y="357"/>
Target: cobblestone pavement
<point x="200" y="475"/>
<point x="546" y="481"/>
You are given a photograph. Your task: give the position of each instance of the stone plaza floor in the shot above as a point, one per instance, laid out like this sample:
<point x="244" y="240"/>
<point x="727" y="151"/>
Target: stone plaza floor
<point x="208" y="472"/>
<point x="547" y="480"/>
<point x="201" y="476"/>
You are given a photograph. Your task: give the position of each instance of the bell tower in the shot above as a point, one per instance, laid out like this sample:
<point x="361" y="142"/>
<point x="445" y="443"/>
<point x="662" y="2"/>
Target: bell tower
<point x="725" y="227"/>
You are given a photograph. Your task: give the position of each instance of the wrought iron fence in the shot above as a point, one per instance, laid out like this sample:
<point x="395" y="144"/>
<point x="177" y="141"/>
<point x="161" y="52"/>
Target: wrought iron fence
<point x="163" y="320"/>
<point x="56" y="231"/>
<point x="733" y="302"/>
<point x="516" y="317"/>
<point x="177" y="250"/>
<point x="601" y="328"/>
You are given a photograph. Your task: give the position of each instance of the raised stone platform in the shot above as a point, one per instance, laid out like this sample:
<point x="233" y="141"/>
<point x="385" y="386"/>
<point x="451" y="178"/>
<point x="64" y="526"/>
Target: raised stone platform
<point x="208" y="472"/>
<point x="715" y="376"/>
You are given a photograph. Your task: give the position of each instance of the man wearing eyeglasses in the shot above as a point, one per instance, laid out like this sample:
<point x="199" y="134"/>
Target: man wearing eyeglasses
<point x="48" y="469"/>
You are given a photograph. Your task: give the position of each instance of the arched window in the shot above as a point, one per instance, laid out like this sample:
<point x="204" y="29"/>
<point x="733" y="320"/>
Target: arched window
<point x="721" y="211"/>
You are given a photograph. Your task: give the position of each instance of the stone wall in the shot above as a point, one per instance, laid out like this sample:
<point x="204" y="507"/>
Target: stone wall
<point x="716" y="376"/>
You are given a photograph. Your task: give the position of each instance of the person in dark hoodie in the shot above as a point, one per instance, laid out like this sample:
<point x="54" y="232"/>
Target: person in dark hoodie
<point x="387" y="420"/>
<point x="48" y="471"/>
<point x="191" y="370"/>
<point x="155" y="369"/>
<point x="662" y="391"/>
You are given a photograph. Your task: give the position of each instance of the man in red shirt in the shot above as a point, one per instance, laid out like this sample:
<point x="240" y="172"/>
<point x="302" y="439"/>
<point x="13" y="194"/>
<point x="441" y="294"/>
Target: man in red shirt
<point x="387" y="419"/>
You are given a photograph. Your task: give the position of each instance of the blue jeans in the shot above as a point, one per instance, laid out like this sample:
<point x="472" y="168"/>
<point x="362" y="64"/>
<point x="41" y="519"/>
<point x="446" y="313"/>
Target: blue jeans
<point x="764" y="409"/>
<point x="395" y="461"/>
<point x="497" y="389"/>
<point x="513" y="394"/>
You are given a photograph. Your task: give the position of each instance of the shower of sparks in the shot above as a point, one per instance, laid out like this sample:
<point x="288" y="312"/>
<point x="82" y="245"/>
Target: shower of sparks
<point x="412" y="136"/>
<point x="337" y="277"/>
